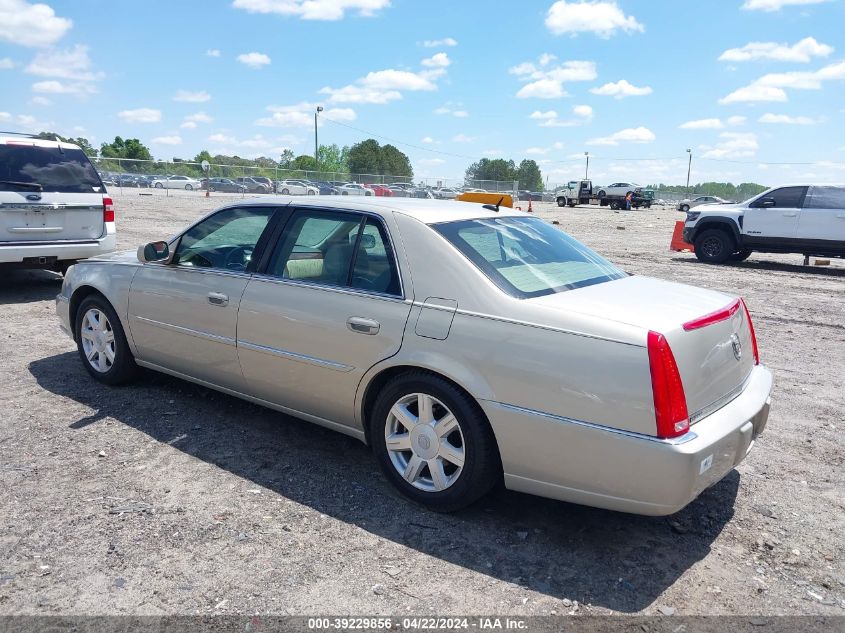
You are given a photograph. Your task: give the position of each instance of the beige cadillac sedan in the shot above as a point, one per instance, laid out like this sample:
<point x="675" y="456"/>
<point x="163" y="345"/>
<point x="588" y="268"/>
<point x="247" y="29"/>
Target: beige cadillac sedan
<point x="465" y="344"/>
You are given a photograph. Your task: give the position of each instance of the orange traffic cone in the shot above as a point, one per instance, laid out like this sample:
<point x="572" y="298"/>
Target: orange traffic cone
<point x="530" y="210"/>
<point x="678" y="243"/>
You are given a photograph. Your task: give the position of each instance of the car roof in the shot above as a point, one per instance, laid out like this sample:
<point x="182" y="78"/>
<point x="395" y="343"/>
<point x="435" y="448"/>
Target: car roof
<point x="36" y="142"/>
<point x="428" y="211"/>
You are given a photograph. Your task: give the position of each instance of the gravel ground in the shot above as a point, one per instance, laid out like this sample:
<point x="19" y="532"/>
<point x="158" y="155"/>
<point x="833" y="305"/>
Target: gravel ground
<point x="163" y="497"/>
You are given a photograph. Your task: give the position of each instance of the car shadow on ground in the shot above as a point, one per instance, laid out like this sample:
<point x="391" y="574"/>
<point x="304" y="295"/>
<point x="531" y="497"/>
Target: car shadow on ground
<point x="28" y="286"/>
<point x="618" y="561"/>
<point x="750" y="264"/>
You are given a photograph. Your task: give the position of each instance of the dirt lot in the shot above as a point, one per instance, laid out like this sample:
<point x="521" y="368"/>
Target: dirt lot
<point x="164" y="497"/>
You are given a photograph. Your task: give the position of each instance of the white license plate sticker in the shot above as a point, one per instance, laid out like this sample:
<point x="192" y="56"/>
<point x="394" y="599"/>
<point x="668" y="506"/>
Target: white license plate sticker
<point x="706" y="463"/>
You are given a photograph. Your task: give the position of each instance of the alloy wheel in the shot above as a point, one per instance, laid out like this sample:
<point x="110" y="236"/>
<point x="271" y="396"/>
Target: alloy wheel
<point x="98" y="340"/>
<point x="425" y="442"/>
<point x="712" y="247"/>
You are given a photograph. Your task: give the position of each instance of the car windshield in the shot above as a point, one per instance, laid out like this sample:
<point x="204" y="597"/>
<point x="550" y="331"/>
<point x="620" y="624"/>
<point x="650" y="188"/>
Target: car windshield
<point x="527" y="257"/>
<point x="64" y="170"/>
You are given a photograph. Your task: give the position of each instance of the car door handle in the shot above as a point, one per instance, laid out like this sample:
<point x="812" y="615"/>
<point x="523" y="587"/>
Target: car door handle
<point x="362" y="325"/>
<point x="789" y="214"/>
<point x="218" y="299"/>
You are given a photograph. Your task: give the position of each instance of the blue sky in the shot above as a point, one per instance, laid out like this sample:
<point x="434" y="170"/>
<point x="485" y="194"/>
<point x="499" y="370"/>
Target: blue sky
<point x="746" y="84"/>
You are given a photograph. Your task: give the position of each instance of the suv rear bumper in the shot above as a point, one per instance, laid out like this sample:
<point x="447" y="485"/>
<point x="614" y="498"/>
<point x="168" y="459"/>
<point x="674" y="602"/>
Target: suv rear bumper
<point x="70" y="250"/>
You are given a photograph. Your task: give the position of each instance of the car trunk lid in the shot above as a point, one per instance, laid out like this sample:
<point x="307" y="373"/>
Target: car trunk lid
<point x="714" y="356"/>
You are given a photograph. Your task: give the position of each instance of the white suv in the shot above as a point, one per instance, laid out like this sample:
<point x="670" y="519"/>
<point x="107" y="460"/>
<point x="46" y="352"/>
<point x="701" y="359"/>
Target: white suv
<point x="806" y="219"/>
<point x="54" y="209"/>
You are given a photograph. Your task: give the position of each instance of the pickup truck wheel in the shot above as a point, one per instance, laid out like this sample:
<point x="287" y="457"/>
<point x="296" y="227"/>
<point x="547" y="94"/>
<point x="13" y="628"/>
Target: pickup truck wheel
<point x="714" y="246"/>
<point x="741" y="256"/>
<point x="433" y="442"/>
<point x="561" y="202"/>
<point x="101" y="342"/>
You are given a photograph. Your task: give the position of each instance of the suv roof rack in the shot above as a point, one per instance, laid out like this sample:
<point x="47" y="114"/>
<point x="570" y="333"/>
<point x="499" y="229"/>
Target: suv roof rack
<point x="27" y="134"/>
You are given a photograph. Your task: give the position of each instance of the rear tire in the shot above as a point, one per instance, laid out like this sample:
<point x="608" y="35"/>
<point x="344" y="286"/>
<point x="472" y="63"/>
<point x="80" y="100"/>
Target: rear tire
<point x="159" y="185"/>
<point x="189" y="187"/>
<point x="309" y="192"/>
<point x="449" y="463"/>
<point x="101" y="342"/>
<point x="714" y="246"/>
<point x="562" y="202"/>
<point x="285" y="191"/>
<point x="684" y="208"/>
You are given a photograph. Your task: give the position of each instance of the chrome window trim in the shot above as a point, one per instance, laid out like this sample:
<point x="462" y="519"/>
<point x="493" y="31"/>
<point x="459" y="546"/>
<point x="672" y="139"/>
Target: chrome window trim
<point x="311" y="360"/>
<point x="375" y="216"/>
<point x="674" y="441"/>
<point x="186" y="330"/>
<point x="340" y="289"/>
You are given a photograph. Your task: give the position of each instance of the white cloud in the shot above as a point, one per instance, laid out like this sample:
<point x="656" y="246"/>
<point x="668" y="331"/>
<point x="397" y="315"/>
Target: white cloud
<point x="313" y="9"/>
<point x="192" y="97"/>
<point x="6" y="63"/>
<point x="53" y="86"/>
<point x="546" y="82"/>
<point x="771" y="87"/>
<point x="462" y="138"/>
<point x="42" y="101"/>
<point x="446" y="41"/>
<point x="703" y="124"/>
<point x="629" y="135"/>
<point x="802" y="51"/>
<point x="167" y="140"/>
<point x="438" y="60"/>
<point x="431" y="161"/>
<point x="302" y="115"/>
<point x="254" y="60"/>
<point x="736" y="120"/>
<point x="427" y="140"/>
<point x="72" y="63"/>
<point x="30" y="24"/>
<point x="199" y="117"/>
<point x="140" y="115"/>
<point x="621" y="89"/>
<point x="602" y="18"/>
<point x="5" y="116"/>
<point x="442" y="110"/>
<point x="360" y="94"/>
<point x="733" y="145"/>
<point x="461" y="114"/>
<point x="787" y="119"/>
<point x="188" y="125"/>
<point x="256" y="142"/>
<point x="392" y="79"/>
<point x="212" y="52"/>
<point x="775" y="5"/>
<point x="583" y="114"/>
<point x="536" y="151"/>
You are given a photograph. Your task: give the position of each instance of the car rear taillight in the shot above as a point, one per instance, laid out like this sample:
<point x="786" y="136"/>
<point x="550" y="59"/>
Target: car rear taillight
<point x="753" y="336"/>
<point x="108" y="210"/>
<point x="670" y="402"/>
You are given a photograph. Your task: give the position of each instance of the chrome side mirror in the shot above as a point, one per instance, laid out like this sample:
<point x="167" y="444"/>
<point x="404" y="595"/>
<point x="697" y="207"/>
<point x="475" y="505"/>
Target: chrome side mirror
<point x="153" y="252"/>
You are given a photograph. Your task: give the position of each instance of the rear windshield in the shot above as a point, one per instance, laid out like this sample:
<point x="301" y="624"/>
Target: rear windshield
<point x="65" y="171"/>
<point x="527" y="257"/>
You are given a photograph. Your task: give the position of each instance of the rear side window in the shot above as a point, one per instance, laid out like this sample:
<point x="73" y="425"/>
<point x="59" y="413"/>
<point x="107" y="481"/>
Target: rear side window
<point x="63" y="171"/>
<point x="826" y="198"/>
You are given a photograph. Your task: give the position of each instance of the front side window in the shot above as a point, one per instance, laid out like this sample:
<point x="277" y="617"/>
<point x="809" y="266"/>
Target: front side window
<point x="62" y="170"/>
<point x="785" y="197"/>
<point x="226" y="240"/>
<point x="527" y="257"/>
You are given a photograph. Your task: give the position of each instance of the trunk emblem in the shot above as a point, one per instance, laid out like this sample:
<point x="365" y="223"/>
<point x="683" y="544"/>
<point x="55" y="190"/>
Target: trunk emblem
<point x="736" y="346"/>
<point x="33" y="196"/>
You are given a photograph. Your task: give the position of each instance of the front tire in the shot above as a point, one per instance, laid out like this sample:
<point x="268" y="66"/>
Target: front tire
<point x="562" y="202"/>
<point x="433" y="442"/>
<point x="714" y="246"/>
<point x="159" y="185"/>
<point x="285" y="191"/>
<point x="189" y="187"/>
<point x="741" y="256"/>
<point x="684" y="208"/>
<point x="101" y="342"/>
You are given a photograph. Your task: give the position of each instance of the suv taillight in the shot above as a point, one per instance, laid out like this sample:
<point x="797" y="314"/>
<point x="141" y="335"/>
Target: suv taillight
<point x="753" y="336"/>
<point x="670" y="402"/>
<point x="108" y="210"/>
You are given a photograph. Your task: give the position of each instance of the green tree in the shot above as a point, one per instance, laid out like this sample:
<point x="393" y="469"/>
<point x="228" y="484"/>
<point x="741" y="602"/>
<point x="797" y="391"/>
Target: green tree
<point x="130" y="148"/>
<point x="529" y="176"/>
<point x="333" y="158"/>
<point x="365" y="157"/>
<point x="492" y="169"/>
<point x="395" y="163"/>
<point x="203" y="155"/>
<point x="286" y="158"/>
<point x="82" y="142"/>
<point x="303" y="162"/>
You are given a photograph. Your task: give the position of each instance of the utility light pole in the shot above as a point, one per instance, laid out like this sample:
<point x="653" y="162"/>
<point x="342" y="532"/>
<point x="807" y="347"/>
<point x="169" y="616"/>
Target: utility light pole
<point x="587" y="168"/>
<point x="316" y="146"/>
<point x="689" y="167"/>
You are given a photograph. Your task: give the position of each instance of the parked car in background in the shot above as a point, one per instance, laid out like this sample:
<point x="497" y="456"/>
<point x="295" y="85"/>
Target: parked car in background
<point x="145" y="181"/>
<point x="226" y="185"/>
<point x="54" y="209"/>
<point x="686" y="205"/>
<point x="446" y="193"/>
<point x="382" y="191"/>
<point x="296" y="188"/>
<point x="177" y="182"/>
<point x="617" y="189"/>
<point x="527" y="196"/>
<point x="534" y="362"/>
<point x="252" y="185"/>
<point x="399" y="192"/>
<point x="354" y="189"/>
<point x="126" y="180"/>
<point x="263" y="180"/>
<point x="326" y="188"/>
<point x="805" y="219"/>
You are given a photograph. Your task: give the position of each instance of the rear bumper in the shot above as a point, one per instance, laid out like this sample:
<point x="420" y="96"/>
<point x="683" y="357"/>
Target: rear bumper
<point x="71" y="250"/>
<point x="583" y="463"/>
